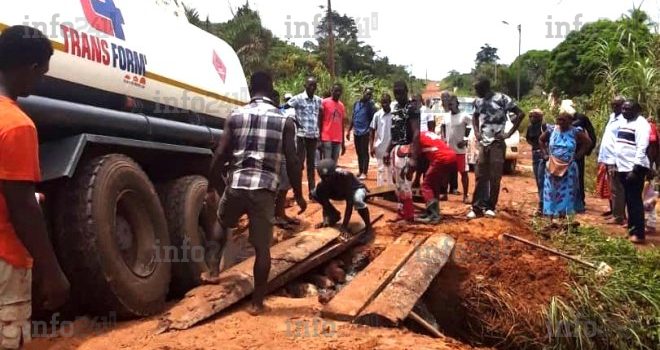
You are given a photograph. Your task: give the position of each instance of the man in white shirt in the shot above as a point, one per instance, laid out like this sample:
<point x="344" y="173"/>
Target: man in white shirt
<point x="380" y="138"/>
<point x="454" y="130"/>
<point x="633" y="164"/>
<point x="607" y="156"/>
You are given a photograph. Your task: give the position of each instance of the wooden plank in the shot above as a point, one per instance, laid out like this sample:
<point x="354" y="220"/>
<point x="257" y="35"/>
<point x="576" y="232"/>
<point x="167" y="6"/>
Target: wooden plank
<point x="317" y="259"/>
<point x="353" y="298"/>
<point x="397" y="300"/>
<point x="382" y="190"/>
<point x="238" y="283"/>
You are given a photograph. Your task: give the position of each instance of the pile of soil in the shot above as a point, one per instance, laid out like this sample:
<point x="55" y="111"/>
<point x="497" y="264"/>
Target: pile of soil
<point x="494" y="294"/>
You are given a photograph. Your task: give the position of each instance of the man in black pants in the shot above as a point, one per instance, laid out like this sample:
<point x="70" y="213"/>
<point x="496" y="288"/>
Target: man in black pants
<point x="363" y="113"/>
<point x="632" y="140"/>
<point x="309" y="115"/>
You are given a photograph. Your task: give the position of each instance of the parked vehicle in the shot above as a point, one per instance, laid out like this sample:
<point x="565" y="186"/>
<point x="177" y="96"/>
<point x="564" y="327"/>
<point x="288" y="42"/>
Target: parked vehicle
<point x="128" y="116"/>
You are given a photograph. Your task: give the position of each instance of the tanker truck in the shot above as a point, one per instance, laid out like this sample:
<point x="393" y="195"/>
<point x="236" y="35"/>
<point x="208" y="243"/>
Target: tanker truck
<point x="128" y="116"/>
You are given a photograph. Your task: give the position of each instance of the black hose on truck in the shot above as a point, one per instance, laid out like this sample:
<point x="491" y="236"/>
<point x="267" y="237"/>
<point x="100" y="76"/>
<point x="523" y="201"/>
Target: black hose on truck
<point x="57" y="119"/>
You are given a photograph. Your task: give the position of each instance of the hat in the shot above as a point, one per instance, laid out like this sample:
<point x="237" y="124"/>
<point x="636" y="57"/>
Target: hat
<point x="288" y="95"/>
<point x="326" y="167"/>
<point x="567" y="106"/>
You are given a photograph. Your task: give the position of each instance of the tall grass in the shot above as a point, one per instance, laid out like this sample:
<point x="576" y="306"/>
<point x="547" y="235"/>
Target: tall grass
<point x="619" y="312"/>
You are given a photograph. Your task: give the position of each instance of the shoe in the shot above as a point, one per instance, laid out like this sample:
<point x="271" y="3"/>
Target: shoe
<point x="607" y="213"/>
<point x="637" y="240"/>
<point x="472" y="215"/>
<point x="433" y="210"/>
<point x="614" y="222"/>
<point x="490" y="213"/>
<point x="455" y="192"/>
<point x="466" y="200"/>
<point x="444" y="198"/>
<point x="362" y="177"/>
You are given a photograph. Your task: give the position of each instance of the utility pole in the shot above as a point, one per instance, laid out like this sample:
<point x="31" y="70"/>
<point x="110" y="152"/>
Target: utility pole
<point x="331" y="44"/>
<point x="519" y="60"/>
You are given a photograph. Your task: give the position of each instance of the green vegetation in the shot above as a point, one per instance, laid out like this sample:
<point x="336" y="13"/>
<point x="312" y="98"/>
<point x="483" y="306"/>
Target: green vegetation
<point x="623" y="309"/>
<point x="357" y="65"/>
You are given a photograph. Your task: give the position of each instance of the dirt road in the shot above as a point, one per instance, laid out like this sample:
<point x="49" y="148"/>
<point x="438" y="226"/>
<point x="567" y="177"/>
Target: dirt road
<point x="485" y="273"/>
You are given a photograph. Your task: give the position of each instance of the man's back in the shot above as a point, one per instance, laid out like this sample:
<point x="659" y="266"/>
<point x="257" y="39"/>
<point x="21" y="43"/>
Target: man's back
<point x="257" y="146"/>
<point x="19" y="161"/>
<point x="435" y="149"/>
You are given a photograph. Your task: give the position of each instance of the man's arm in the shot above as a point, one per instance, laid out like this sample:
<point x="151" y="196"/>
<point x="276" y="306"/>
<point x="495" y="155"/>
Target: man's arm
<point x="520" y="115"/>
<point x="30" y="226"/>
<point x="592" y="134"/>
<point x="584" y="143"/>
<point x="475" y="126"/>
<point x="431" y="122"/>
<point x="415" y="149"/>
<point x="348" y="212"/>
<point x="350" y="125"/>
<point x="543" y="142"/>
<point x="642" y="135"/>
<point x="319" y="120"/>
<point x="221" y="156"/>
<point x="293" y="163"/>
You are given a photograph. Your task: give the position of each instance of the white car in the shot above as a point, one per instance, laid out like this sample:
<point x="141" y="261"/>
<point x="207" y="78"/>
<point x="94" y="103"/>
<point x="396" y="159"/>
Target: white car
<point x="511" y="157"/>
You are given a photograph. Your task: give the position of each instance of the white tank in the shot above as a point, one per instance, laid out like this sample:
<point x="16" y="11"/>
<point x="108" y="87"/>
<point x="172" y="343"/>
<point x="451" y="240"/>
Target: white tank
<point x="138" y="49"/>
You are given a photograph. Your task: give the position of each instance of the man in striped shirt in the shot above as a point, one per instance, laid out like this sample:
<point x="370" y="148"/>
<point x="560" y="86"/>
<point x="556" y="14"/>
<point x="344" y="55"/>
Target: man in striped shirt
<point x="255" y="139"/>
<point x="633" y="164"/>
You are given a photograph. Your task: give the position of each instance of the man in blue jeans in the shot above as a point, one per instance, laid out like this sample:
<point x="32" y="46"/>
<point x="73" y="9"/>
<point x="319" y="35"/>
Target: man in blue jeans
<point x="534" y="130"/>
<point x="363" y="113"/>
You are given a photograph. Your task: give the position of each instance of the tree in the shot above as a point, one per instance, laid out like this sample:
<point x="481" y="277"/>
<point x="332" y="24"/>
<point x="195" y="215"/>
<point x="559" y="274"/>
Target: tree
<point x="487" y="54"/>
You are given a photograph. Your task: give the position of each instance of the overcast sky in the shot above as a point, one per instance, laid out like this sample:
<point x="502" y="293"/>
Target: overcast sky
<point x="440" y="35"/>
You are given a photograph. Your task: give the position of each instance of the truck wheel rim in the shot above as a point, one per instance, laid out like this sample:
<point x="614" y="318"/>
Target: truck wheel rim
<point x="135" y="235"/>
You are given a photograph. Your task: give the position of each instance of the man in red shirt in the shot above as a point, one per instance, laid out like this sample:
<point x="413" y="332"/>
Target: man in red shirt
<point x="332" y="128"/>
<point x="24" y="59"/>
<point x="442" y="161"/>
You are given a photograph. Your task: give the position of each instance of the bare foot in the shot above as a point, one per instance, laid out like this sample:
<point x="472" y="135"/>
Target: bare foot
<point x="208" y="279"/>
<point x="255" y="310"/>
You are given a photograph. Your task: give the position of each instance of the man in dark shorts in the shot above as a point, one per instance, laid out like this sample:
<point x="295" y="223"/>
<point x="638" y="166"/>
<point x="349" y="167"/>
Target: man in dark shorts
<point x="255" y="139"/>
<point x="340" y="185"/>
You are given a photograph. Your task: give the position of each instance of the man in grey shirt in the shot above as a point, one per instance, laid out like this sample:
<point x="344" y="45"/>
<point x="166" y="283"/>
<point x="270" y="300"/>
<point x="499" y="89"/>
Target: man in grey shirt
<point x="489" y="123"/>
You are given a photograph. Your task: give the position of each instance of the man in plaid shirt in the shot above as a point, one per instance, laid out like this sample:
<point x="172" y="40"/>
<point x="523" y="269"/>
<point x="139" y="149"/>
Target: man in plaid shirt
<point x="255" y="139"/>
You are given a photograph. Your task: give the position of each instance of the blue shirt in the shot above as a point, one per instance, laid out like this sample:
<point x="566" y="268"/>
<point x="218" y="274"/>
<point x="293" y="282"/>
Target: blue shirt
<point x="363" y="113"/>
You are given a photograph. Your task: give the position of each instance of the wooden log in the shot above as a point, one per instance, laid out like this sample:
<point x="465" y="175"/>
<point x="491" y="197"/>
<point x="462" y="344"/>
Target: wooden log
<point x="353" y="298"/>
<point x="238" y="282"/>
<point x="317" y="259"/>
<point x="397" y="300"/>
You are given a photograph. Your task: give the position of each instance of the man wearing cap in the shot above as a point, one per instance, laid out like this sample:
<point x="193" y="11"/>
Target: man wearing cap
<point x="340" y="185"/>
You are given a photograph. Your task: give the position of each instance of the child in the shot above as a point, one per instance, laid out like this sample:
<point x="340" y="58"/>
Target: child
<point x="650" y="198"/>
<point x="340" y="185"/>
<point x="380" y="138"/>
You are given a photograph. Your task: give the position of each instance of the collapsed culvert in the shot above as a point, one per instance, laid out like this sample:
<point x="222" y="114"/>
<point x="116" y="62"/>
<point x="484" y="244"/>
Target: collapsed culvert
<point x="496" y="302"/>
<point x="327" y="280"/>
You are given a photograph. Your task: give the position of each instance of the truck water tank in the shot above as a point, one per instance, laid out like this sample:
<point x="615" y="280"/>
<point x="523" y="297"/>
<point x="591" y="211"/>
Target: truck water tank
<point x="108" y="50"/>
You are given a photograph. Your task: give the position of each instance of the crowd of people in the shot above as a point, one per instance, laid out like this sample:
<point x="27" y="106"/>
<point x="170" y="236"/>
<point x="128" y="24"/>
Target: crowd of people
<point x="267" y="145"/>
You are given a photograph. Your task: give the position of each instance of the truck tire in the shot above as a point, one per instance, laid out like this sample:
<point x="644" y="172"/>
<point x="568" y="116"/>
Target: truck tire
<point x="183" y="200"/>
<point x="108" y="237"/>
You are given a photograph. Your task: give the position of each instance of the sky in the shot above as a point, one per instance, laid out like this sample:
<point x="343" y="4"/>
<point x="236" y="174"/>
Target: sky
<point x="439" y="36"/>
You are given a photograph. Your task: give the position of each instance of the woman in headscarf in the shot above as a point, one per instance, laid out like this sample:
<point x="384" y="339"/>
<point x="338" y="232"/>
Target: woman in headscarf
<point x="562" y="144"/>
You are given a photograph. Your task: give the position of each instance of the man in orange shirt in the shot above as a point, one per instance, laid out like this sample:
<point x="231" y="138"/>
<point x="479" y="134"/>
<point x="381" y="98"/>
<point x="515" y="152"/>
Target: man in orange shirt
<point x="24" y="59"/>
<point x="332" y="128"/>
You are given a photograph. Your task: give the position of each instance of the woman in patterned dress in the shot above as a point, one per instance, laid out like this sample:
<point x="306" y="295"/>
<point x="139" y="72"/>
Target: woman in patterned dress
<point x="566" y="143"/>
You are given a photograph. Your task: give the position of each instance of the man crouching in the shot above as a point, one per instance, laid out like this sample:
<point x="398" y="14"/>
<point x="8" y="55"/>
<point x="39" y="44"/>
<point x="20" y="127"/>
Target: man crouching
<point x="340" y="185"/>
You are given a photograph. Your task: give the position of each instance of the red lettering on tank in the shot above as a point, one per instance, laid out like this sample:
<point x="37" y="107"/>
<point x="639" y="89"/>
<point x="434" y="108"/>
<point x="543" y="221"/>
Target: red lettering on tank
<point x="65" y="36"/>
<point x="85" y="46"/>
<point x="106" y="52"/>
<point x="75" y="43"/>
<point x="96" y="49"/>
